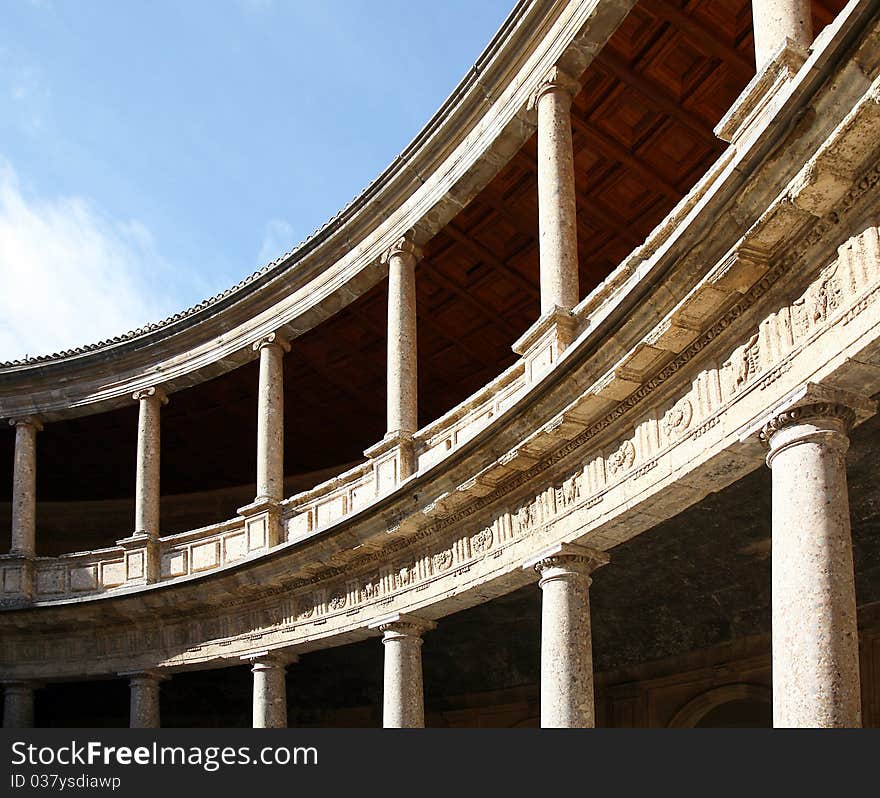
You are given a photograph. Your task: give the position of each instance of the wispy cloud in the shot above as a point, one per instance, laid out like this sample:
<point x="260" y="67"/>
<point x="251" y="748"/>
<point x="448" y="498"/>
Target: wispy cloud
<point x="278" y="238"/>
<point x="71" y="274"/>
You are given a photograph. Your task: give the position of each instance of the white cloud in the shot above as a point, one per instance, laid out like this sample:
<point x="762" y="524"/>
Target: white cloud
<point x="278" y="239"/>
<point x="71" y="275"/>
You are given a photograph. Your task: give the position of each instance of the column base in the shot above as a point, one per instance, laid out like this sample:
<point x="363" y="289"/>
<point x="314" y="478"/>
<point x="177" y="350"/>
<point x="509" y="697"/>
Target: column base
<point x="543" y="343"/>
<point x="394" y="460"/>
<point x="763" y="96"/>
<point x="262" y="522"/>
<point x="17" y="579"/>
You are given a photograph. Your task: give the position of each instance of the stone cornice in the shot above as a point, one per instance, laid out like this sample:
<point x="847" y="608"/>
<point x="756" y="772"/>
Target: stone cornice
<point x="466" y="143"/>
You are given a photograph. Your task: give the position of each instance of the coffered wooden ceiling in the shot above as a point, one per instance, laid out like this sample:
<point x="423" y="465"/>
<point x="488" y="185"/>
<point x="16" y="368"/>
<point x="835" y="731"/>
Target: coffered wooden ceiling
<point x="642" y="131"/>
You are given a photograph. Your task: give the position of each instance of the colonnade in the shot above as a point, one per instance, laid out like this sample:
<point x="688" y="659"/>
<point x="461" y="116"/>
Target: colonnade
<point x="815" y="644"/>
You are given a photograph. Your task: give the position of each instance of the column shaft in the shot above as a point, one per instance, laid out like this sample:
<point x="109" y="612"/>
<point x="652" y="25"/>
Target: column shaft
<point x="815" y="637"/>
<point x="24" y="487"/>
<point x="270" y="693"/>
<point x="18" y="705"/>
<point x="402" y="353"/>
<point x="147" y="488"/>
<point x="774" y="21"/>
<point x="144" y="711"/>
<point x="557" y="208"/>
<point x="403" y="698"/>
<point x="270" y="418"/>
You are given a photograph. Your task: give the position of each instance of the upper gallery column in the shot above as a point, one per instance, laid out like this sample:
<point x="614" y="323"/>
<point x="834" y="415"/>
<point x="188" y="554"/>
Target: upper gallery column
<point x="403" y="695"/>
<point x="24" y="498"/>
<point x="270" y="418"/>
<point x="147" y="487"/>
<point x="403" y="415"/>
<point x="24" y="486"/>
<point x="566" y="636"/>
<point x="774" y="21"/>
<point x="557" y="209"/>
<point x="815" y="637"/>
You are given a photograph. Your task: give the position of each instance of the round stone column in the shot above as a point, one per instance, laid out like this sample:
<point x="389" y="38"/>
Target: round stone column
<point x="402" y="354"/>
<point x="144" y="705"/>
<point x="557" y="207"/>
<point x="147" y="491"/>
<point x="270" y="689"/>
<point x="24" y="486"/>
<point x="270" y="418"/>
<point x="403" y="702"/>
<point x="18" y="704"/>
<point x="774" y="21"/>
<point x="815" y="637"/>
<point x="566" y="637"/>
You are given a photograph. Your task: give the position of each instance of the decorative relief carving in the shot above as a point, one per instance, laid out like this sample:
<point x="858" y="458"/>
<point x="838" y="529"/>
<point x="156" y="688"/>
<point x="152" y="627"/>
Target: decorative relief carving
<point x="482" y="541"/>
<point x="678" y="418"/>
<point x="570" y="491"/>
<point x="622" y="459"/>
<point x="337" y="601"/>
<point x="442" y="560"/>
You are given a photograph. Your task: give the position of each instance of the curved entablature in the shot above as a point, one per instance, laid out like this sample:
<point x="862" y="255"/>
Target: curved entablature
<point x="750" y="309"/>
<point x="482" y="124"/>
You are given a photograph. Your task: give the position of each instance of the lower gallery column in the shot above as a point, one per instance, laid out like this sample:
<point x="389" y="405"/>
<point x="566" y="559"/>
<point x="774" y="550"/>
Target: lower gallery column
<point x="566" y="638"/>
<point x="270" y="688"/>
<point x="815" y="637"/>
<point x="403" y="702"/>
<point x="18" y="704"/>
<point x="144" y="705"/>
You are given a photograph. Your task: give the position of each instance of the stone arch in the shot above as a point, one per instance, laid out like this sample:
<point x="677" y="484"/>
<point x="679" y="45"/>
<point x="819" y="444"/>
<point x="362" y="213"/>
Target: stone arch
<point x="698" y="708"/>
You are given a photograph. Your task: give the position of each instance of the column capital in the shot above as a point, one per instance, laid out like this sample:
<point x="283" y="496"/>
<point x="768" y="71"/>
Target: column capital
<point x="566" y="559"/>
<point x="405" y="246"/>
<point x="27" y="421"/>
<point x="272" y="339"/>
<point x="153" y="392"/>
<point x="145" y="675"/>
<point x="268" y="660"/>
<point x="402" y="625"/>
<point x="810" y="401"/>
<point x="556" y="79"/>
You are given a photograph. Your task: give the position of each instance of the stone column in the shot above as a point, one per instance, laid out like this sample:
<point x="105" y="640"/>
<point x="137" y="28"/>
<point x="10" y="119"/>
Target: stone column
<point x="270" y="418"/>
<point x="557" y="208"/>
<point x="774" y="21"/>
<point x="18" y="704"/>
<point x="24" y="486"/>
<point x="270" y="688"/>
<point x="402" y="366"/>
<point x="147" y="490"/>
<point x="144" y="707"/>
<point x="24" y="502"/>
<point x="815" y="637"/>
<point x="403" y="692"/>
<point x="566" y="638"/>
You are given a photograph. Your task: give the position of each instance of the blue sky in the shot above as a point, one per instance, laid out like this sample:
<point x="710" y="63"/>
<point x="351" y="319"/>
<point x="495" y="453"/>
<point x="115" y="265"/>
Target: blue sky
<point x="154" y="153"/>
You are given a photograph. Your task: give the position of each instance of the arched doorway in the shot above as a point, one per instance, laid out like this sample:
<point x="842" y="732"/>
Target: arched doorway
<point x="730" y="706"/>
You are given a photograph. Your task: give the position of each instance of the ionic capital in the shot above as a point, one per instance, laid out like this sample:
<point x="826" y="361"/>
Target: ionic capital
<point x="272" y="339"/>
<point x="566" y="559"/>
<point x="803" y="413"/>
<point x="405" y="247"/>
<point x="557" y="79"/>
<point x="269" y="660"/>
<point x="146" y="676"/>
<point x="400" y="625"/>
<point x="154" y="392"/>
<point x="27" y="421"/>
